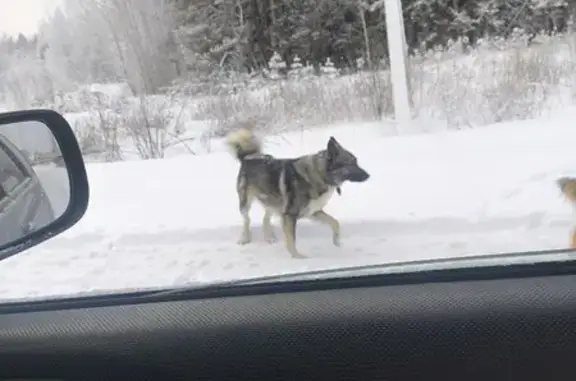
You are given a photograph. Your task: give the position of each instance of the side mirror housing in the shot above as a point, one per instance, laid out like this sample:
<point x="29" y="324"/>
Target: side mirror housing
<point x="43" y="183"/>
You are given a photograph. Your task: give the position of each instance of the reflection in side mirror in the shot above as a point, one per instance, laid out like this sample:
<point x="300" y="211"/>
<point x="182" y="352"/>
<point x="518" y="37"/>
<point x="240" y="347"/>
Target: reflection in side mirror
<point x="34" y="190"/>
<point x="43" y="188"/>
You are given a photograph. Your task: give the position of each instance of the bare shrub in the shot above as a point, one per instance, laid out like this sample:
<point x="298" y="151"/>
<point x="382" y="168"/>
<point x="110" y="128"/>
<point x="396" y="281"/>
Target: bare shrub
<point x="113" y="129"/>
<point x="98" y="136"/>
<point x="292" y="104"/>
<point x="494" y="83"/>
<point x="98" y="128"/>
<point x="487" y="87"/>
<point x="155" y="123"/>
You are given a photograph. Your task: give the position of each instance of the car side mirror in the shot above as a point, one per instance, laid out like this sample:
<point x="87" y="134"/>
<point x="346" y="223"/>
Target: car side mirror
<point x="43" y="182"/>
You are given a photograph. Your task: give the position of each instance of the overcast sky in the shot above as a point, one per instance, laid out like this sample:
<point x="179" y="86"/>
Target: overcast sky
<point x="23" y="16"/>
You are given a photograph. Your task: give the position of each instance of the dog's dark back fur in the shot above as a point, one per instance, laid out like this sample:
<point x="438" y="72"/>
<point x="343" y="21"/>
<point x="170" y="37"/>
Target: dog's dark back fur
<point x="289" y="184"/>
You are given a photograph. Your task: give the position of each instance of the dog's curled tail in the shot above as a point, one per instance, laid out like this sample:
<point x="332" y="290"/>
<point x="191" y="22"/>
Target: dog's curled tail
<point x="567" y="186"/>
<point x="242" y="143"/>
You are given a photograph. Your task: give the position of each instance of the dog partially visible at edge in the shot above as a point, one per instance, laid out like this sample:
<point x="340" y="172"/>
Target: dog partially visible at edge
<point x="567" y="186"/>
<point x="292" y="188"/>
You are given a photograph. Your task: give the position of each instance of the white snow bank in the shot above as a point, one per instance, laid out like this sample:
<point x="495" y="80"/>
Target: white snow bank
<point x="169" y="222"/>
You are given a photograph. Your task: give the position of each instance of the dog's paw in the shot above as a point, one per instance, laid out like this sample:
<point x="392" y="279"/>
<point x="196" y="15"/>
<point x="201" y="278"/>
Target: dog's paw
<point x="336" y="241"/>
<point x="296" y="254"/>
<point x="244" y="240"/>
<point x="270" y="238"/>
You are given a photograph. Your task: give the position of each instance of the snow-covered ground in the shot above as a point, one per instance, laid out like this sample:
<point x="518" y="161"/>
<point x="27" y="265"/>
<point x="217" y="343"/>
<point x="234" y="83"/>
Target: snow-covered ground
<point x="170" y="222"/>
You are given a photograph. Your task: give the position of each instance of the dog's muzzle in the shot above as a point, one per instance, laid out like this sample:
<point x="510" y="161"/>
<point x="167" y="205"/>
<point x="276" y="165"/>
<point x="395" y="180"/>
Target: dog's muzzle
<point x="358" y="175"/>
<point x="354" y="174"/>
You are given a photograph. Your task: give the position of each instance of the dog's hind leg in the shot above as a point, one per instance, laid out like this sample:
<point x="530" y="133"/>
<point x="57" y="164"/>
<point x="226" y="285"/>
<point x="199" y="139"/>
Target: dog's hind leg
<point x="323" y="217"/>
<point x="267" y="228"/>
<point x="289" y="226"/>
<point x="245" y="198"/>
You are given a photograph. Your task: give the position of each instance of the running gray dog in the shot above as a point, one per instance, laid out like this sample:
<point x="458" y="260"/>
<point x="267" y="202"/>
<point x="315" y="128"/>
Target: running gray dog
<point x="292" y="188"/>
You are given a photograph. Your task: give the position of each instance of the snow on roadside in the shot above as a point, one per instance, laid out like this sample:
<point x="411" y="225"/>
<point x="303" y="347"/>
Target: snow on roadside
<point x="160" y="223"/>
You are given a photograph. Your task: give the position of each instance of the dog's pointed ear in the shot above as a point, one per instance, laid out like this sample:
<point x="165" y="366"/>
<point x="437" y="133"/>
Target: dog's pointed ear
<point x="333" y="146"/>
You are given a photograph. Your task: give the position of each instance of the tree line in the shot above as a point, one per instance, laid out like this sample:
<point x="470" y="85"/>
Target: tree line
<point x="151" y="44"/>
<point x="244" y="34"/>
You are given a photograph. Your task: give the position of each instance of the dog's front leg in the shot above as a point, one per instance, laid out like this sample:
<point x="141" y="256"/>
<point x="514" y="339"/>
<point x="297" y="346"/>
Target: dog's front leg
<point x="323" y="217"/>
<point x="245" y="201"/>
<point x="289" y="225"/>
<point x="246" y="236"/>
<point x="267" y="229"/>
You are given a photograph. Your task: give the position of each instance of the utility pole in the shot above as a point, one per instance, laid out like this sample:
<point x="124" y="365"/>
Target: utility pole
<point x="398" y="61"/>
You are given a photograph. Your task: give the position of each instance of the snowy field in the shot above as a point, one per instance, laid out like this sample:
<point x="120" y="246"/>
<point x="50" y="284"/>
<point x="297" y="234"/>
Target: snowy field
<point x="174" y="221"/>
